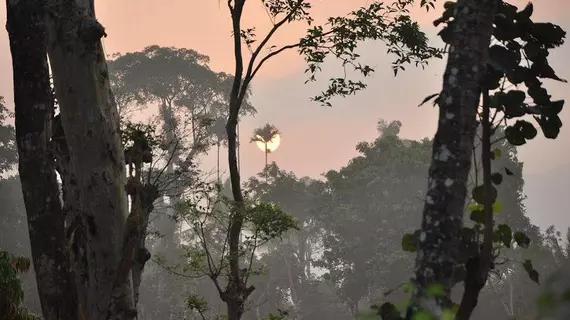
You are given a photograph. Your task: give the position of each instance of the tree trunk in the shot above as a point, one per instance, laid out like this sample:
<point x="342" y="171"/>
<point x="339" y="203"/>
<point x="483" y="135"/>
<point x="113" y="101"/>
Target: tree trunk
<point x="34" y="112"/>
<point x="452" y="150"/>
<point x="91" y="124"/>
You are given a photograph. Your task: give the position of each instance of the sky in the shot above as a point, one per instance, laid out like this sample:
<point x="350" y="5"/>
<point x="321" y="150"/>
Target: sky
<point x="316" y="139"/>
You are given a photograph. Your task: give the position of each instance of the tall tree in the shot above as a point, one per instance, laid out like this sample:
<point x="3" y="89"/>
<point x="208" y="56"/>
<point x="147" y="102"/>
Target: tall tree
<point x="190" y="96"/>
<point x="338" y="37"/>
<point x="34" y="113"/>
<point x="372" y="201"/>
<point x="94" y="281"/>
<point x="515" y="36"/>
<point x="268" y="136"/>
<point x="452" y="152"/>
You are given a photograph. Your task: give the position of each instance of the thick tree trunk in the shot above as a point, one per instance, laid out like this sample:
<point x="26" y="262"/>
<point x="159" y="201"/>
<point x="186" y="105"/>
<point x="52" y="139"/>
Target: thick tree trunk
<point x="452" y="150"/>
<point x="91" y="124"/>
<point x="34" y="113"/>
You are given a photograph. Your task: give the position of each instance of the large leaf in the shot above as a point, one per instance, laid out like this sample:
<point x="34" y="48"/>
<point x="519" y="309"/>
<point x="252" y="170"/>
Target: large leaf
<point x="503" y="59"/>
<point x="522" y="239"/>
<point x="532" y="273"/>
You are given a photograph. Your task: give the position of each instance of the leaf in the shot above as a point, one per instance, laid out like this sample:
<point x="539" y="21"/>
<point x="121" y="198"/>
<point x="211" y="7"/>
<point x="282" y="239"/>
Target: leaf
<point x="478" y="194"/>
<point x="447" y="314"/>
<point x="548" y="34"/>
<point x="520" y="132"/>
<point x="403" y="304"/>
<point x="493" y="77"/>
<point x="388" y="311"/>
<point x="514" y="137"/>
<point x="518" y="75"/>
<point x="550" y="126"/>
<point x="546" y="300"/>
<point x="534" y="51"/>
<point x="496" y="100"/>
<point x="514" y="98"/>
<point x="497" y="153"/>
<point x="552" y="109"/>
<point x="532" y="273"/>
<point x="522" y="239"/>
<point x="543" y="70"/>
<point x="497" y="206"/>
<point x="497" y="178"/>
<point x="428" y="98"/>
<point x="505" y="234"/>
<point x="503" y="59"/>
<point x="435" y="290"/>
<point x="526" y="12"/>
<point x="513" y="102"/>
<point x="536" y="91"/>
<point x="474" y="206"/>
<point x="477" y="216"/>
<point x="410" y="241"/>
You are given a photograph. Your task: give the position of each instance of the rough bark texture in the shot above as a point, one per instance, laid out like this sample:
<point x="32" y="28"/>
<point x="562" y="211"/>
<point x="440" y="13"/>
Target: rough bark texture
<point x="91" y="124"/>
<point x="452" y="150"/>
<point x="74" y="225"/>
<point x="34" y="112"/>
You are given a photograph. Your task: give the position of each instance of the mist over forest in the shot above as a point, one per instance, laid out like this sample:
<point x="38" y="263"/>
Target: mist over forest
<point x="163" y="183"/>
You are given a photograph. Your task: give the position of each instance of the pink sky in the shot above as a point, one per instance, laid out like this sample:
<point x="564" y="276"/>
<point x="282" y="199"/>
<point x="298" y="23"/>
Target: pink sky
<point x="315" y="139"/>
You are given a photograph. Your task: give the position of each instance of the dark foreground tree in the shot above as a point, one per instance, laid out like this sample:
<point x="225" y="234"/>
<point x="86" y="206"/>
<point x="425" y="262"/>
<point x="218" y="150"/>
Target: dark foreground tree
<point x="93" y="280"/>
<point x="34" y="113"/>
<point x="452" y="151"/>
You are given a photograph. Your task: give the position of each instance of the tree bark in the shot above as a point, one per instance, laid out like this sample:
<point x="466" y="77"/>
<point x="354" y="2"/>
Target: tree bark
<point x="91" y="124"/>
<point x="34" y="112"/>
<point x="452" y="150"/>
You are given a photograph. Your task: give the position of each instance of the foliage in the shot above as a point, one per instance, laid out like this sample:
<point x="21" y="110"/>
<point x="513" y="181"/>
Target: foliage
<point x="11" y="291"/>
<point x="8" y="153"/>
<point x="371" y="201"/>
<point x="340" y="36"/>
<point x="265" y="134"/>
<point x="172" y="76"/>
<point x="519" y="56"/>
<point x="208" y="213"/>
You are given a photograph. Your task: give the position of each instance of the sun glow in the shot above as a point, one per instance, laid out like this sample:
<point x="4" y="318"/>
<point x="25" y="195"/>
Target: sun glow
<point x="272" y="144"/>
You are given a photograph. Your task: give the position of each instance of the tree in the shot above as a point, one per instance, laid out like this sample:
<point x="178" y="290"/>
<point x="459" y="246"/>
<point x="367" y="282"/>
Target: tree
<point x="516" y="35"/>
<point x="372" y="201"/>
<point x="266" y="135"/>
<point x="206" y="251"/>
<point x="452" y="152"/>
<point x="191" y="100"/>
<point x="338" y="38"/>
<point x="94" y="281"/>
<point x="293" y="257"/>
<point x="34" y="112"/>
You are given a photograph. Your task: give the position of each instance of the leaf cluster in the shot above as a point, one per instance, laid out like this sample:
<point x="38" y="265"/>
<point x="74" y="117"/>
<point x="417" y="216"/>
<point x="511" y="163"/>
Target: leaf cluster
<point x="8" y="152"/>
<point x="11" y="291"/>
<point x="339" y="37"/>
<point x="519" y="57"/>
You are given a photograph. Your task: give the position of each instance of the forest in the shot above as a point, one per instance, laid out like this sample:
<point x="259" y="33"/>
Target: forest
<point x="109" y="213"/>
